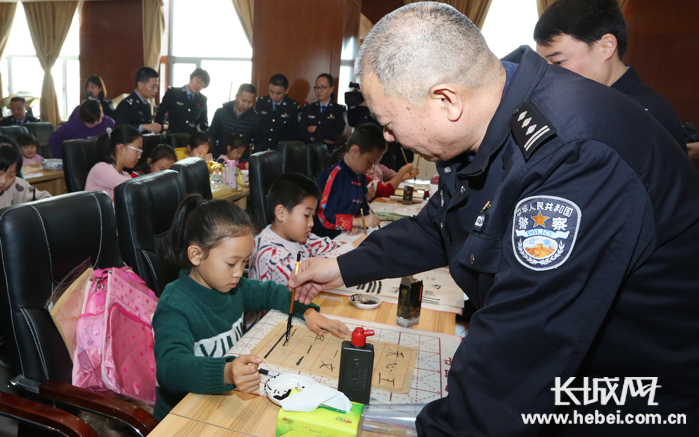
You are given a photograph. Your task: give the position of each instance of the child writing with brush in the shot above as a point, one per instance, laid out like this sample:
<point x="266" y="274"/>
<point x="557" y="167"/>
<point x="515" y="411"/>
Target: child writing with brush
<point x="344" y="185"/>
<point x="291" y="204"/>
<point x="200" y="315"/>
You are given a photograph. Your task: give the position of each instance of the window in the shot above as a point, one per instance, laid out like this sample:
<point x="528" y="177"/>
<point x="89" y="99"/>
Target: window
<point x="21" y="70"/>
<point x="510" y="24"/>
<point x="208" y="34"/>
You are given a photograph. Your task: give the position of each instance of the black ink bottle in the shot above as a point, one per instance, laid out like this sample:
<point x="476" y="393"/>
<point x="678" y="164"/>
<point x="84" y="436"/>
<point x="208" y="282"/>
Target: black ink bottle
<point x="356" y="366"/>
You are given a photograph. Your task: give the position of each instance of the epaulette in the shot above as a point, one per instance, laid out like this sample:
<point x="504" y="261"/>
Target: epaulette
<point x="530" y="128"/>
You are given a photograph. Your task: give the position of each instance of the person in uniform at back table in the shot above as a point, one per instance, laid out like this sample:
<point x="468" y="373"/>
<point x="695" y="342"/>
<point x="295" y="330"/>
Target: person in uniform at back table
<point x="186" y="106"/>
<point x="135" y="110"/>
<point x="236" y="117"/>
<point x="279" y="114"/>
<point x="19" y="116"/>
<point x="323" y="120"/>
<point x="589" y="37"/>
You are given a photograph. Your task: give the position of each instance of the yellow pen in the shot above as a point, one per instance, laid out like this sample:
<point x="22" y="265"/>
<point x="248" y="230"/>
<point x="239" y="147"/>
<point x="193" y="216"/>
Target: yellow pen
<point x="361" y="211"/>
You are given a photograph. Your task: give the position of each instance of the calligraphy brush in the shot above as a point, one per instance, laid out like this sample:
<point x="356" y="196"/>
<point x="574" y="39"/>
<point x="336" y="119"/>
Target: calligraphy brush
<point x="293" y="295"/>
<point x="361" y="211"/>
<point x="376" y="185"/>
<point x="418" y="165"/>
<point x="404" y="157"/>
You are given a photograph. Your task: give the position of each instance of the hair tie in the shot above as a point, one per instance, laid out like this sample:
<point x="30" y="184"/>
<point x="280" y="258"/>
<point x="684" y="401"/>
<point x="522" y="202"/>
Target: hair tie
<point x="109" y="132"/>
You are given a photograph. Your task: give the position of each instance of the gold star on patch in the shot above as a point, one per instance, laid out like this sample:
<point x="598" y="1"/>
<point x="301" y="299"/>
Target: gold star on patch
<point x="540" y="220"/>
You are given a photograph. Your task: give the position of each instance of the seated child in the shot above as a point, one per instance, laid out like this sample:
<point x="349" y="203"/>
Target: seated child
<point x="28" y="144"/>
<point x="344" y="185"/>
<point x="14" y="190"/>
<point x="199" y="316"/>
<point x="291" y="205"/>
<point x="123" y="147"/>
<point x="237" y="144"/>
<point x="161" y="158"/>
<point x="198" y="146"/>
<point x="387" y="187"/>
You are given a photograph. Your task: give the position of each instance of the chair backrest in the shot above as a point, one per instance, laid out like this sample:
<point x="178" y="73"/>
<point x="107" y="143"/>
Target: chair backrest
<point x="177" y="140"/>
<point x="265" y="168"/>
<point x="79" y="156"/>
<point x="13" y="131"/>
<point x="293" y="157"/>
<point x="150" y="141"/>
<point x="40" y="243"/>
<point x="145" y="208"/>
<point x="317" y="159"/>
<point x="195" y="175"/>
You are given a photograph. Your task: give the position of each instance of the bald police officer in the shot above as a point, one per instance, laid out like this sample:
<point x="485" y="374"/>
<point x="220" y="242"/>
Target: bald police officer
<point x="567" y="214"/>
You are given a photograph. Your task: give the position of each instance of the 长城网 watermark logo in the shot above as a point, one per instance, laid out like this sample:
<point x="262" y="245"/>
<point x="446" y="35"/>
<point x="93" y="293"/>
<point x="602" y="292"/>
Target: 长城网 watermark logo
<point x="605" y="390"/>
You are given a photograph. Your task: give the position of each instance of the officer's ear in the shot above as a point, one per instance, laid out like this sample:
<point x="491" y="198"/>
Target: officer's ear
<point x="607" y="46"/>
<point x="448" y="99"/>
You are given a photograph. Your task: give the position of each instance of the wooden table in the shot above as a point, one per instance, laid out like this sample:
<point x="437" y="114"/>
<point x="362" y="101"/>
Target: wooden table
<point x="52" y="181"/>
<point x="253" y="415"/>
<point x="238" y="196"/>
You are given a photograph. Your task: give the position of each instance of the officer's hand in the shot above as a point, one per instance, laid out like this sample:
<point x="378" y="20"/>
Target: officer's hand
<point x="312" y="128"/>
<point x="372" y="221"/>
<point x="315" y="275"/>
<point x="153" y="127"/>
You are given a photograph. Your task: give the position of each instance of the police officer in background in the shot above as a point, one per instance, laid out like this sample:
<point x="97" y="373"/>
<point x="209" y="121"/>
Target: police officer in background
<point x="18" y="107"/>
<point x="565" y="212"/>
<point x="589" y="37"/>
<point x="279" y="114"/>
<point x="186" y="106"/>
<point x="323" y="120"/>
<point x="135" y="110"/>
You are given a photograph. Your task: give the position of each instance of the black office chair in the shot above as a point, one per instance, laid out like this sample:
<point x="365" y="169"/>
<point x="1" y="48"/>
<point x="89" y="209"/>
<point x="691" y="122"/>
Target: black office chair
<point x="317" y="159"/>
<point x="38" y="417"/>
<point x="150" y="141"/>
<point x="265" y="168"/>
<point x="79" y="156"/>
<point x="293" y="157"/>
<point x="145" y="208"/>
<point x="177" y="140"/>
<point x="40" y="243"/>
<point x="195" y="175"/>
<point x="41" y="130"/>
<point x="13" y="131"/>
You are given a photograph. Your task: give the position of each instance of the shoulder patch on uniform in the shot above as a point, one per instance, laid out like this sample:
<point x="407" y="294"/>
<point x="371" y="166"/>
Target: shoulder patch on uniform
<point x="544" y="231"/>
<point x="530" y="128"/>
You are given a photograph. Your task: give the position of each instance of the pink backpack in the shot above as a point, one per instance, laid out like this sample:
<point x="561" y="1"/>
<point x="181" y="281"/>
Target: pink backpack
<point x="114" y="336"/>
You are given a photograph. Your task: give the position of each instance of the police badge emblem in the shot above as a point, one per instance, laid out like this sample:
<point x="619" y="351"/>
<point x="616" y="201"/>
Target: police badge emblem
<point x="544" y="231"/>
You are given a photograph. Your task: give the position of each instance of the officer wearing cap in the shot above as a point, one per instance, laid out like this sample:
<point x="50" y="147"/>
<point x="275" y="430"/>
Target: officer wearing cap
<point x="279" y="114"/>
<point x="324" y="120"/>
<point x="186" y="106"/>
<point x="135" y="109"/>
<point x="566" y="213"/>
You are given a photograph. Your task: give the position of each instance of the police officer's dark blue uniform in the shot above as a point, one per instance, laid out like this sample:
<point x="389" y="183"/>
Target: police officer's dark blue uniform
<point x="330" y="122"/>
<point x="133" y="111"/>
<point x="185" y="114"/>
<point x="574" y="232"/>
<point x="279" y="122"/>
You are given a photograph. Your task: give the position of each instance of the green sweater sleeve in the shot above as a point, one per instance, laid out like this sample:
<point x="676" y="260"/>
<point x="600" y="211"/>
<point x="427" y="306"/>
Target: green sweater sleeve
<point x="263" y="296"/>
<point x="175" y="361"/>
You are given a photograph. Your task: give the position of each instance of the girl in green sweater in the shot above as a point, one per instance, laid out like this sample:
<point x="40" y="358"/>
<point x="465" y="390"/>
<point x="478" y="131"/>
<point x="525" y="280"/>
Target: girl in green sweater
<point x="200" y="316"/>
